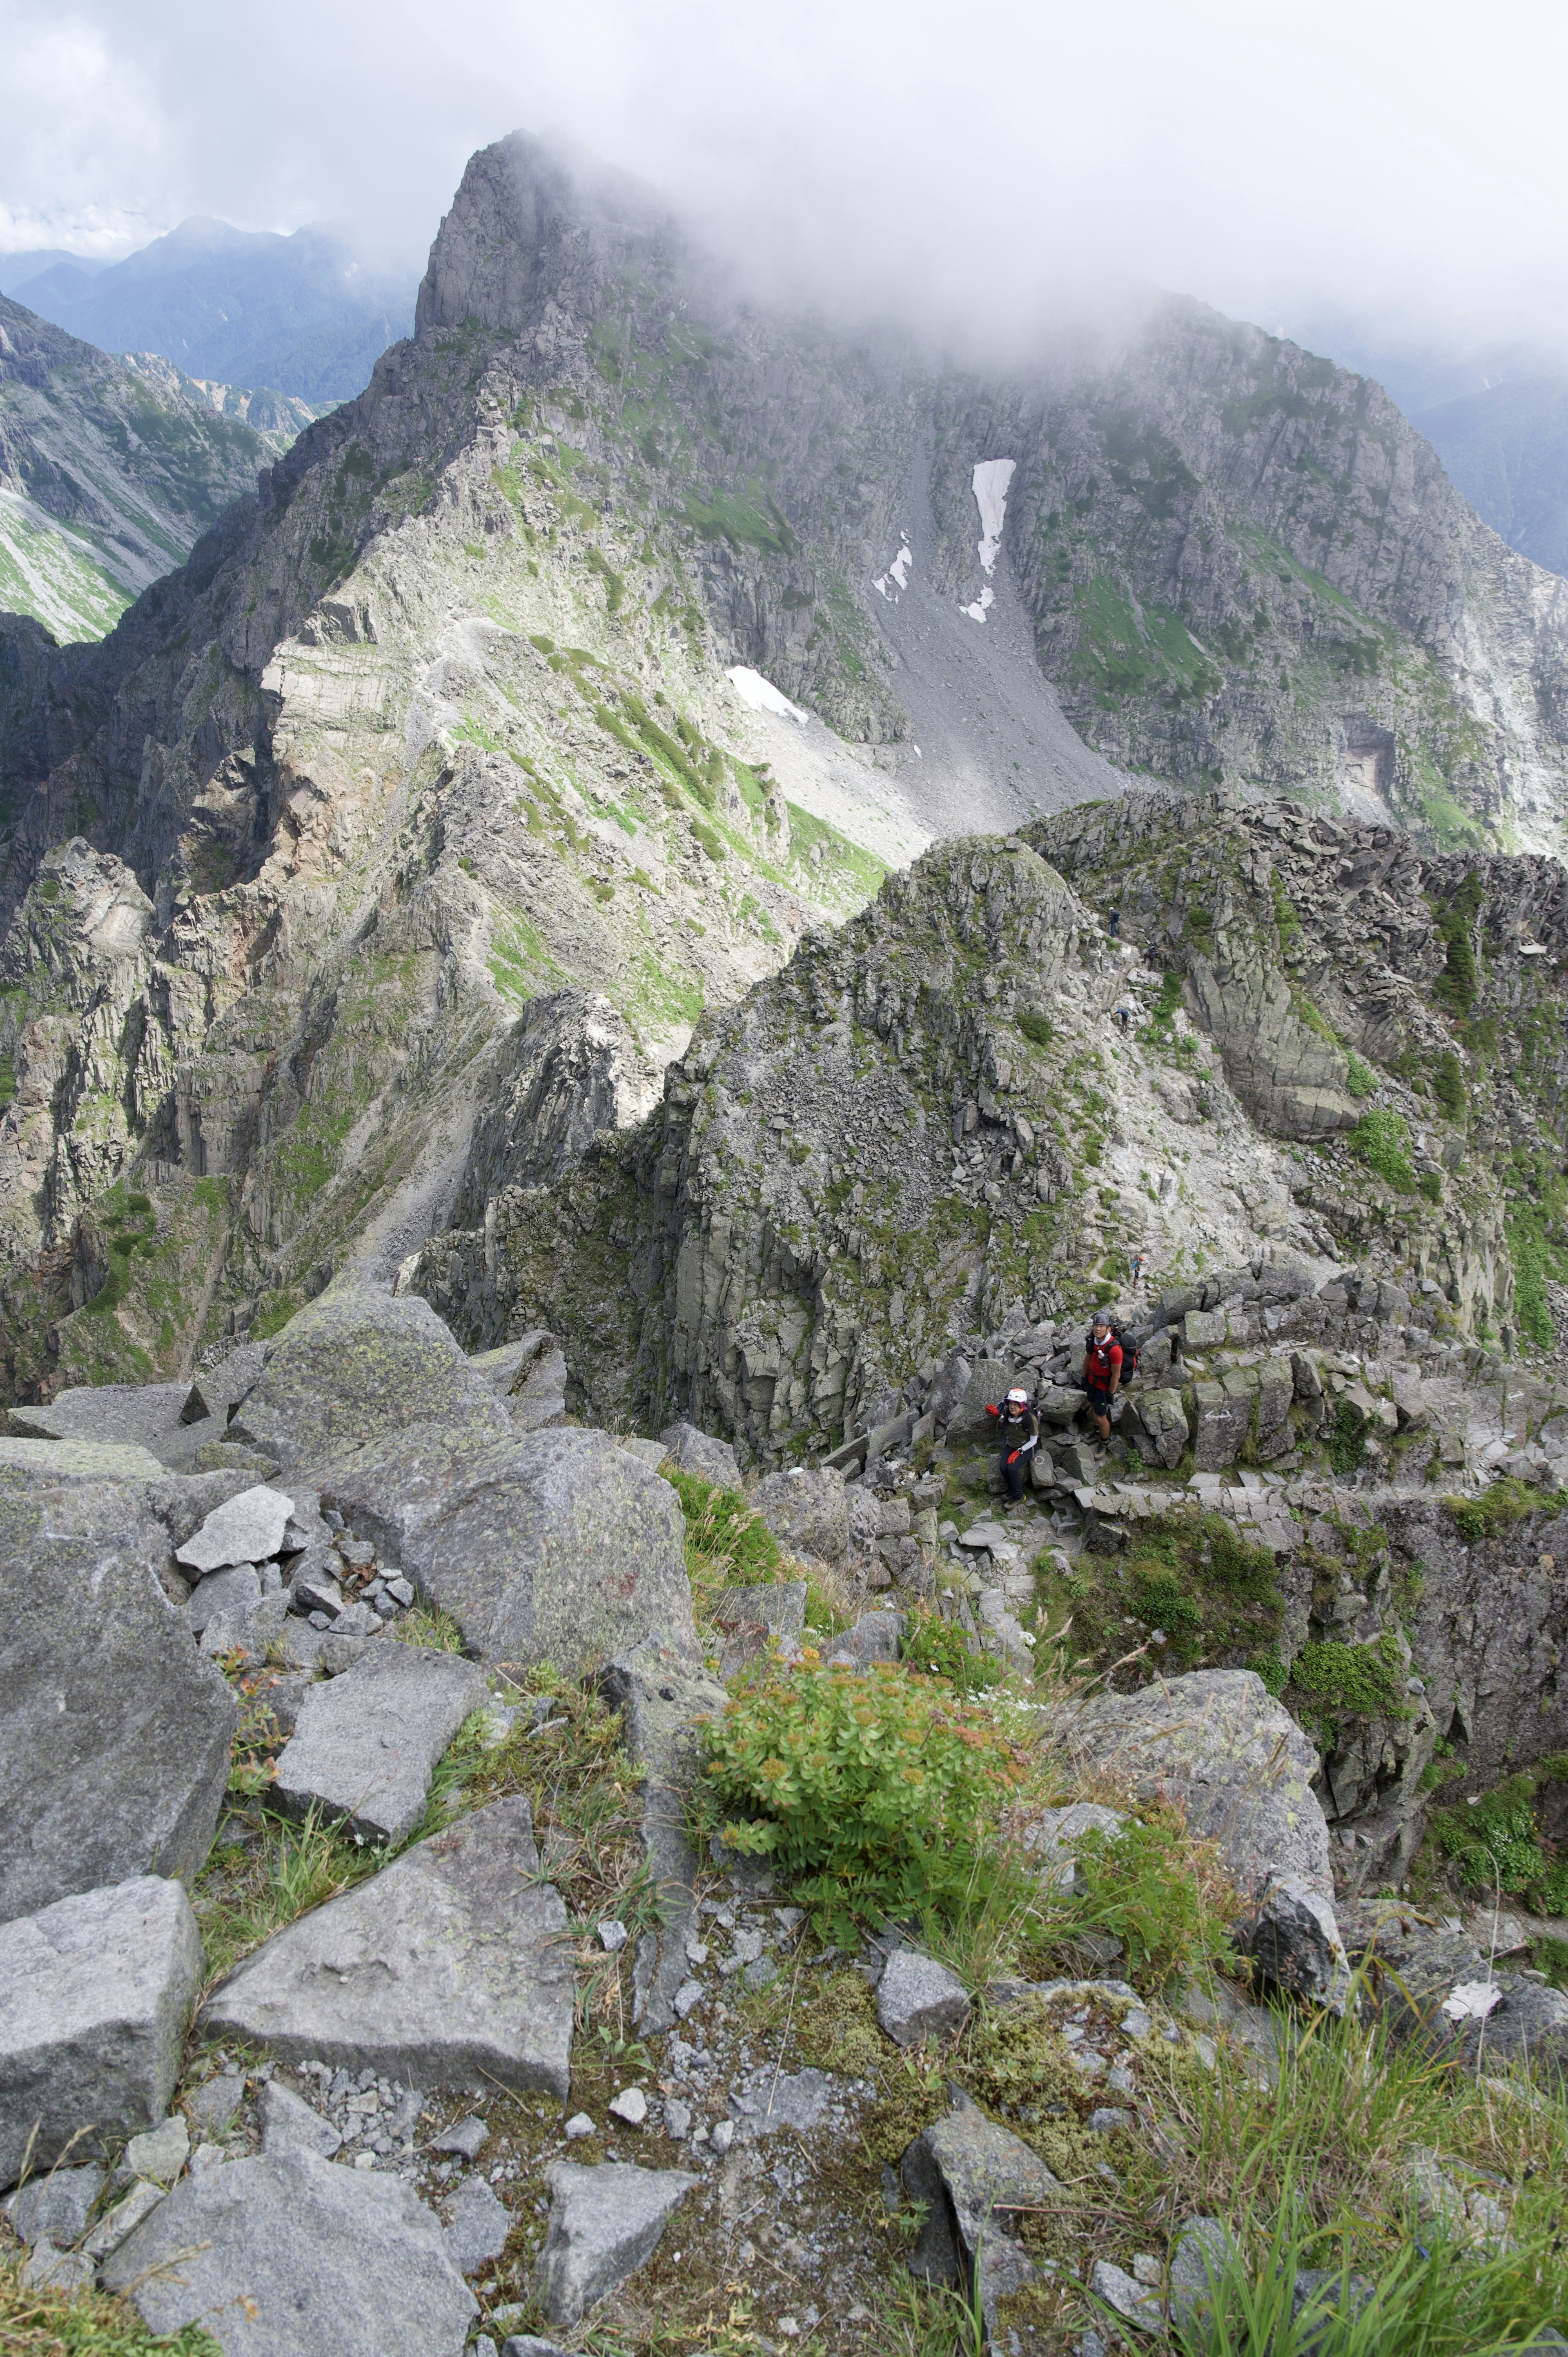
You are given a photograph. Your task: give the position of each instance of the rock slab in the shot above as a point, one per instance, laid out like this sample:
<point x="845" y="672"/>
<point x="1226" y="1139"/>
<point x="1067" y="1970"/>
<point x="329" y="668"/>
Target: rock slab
<point x="95" y="1993"/>
<point x="604" y="2224"/>
<point x="365" y="1743"/>
<point x="1216" y="1742"/>
<point x="287" y="2255"/>
<point x="967" y="2174"/>
<point x="445" y="1969"/>
<point x="557" y="1548"/>
<point x="246" y="1529"/>
<point x="115" y="1733"/>
<point x="663" y="1698"/>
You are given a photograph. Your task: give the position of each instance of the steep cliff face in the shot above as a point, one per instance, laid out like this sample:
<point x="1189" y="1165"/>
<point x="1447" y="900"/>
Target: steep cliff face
<point x="937" y="1119"/>
<point x="1243" y="563"/>
<point x="110" y="469"/>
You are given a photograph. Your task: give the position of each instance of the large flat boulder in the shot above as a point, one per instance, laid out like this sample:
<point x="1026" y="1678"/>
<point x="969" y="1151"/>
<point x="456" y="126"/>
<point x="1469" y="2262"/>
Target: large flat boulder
<point x="560" y="1547"/>
<point x="95" y="1993"/>
<point x="699" y="1452"/>
<point x="1217" y="1742"/>
<point x="364" y="1744"/>
<point x="46" y="1464"/>
<point x="289" y="2255"/>
<point x="115" y="1733"/>
<point x="446" y="1969"/>
<point x="357" y="1367"/>
<point x="134" y="1412"/>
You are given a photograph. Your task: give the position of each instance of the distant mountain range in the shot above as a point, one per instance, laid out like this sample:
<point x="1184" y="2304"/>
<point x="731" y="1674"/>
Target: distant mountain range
<point x="302" y="315"/>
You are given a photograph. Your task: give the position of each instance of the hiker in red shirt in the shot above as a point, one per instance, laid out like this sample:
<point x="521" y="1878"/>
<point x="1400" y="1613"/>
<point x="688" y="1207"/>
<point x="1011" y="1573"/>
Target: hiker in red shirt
<point x="1101" y="1373"/>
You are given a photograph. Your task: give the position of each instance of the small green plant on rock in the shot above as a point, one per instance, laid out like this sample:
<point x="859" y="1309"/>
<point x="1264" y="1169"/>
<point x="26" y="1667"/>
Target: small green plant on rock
<point x="874" y="1794"/>
<point x="727" y="1545"/>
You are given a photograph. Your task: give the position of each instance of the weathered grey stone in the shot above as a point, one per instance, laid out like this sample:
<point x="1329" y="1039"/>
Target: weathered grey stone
<point x="1293" y="1941"/>
<point x="51" y="1464"/>
<point x="663" y="1700"/>
<point x="918" y="1999"/>
<point x="114" y="2225"/>
<point x="1137" y="2303"/>
<point x="560" y="1547"/>
<point x="1224" y="1418"/>
<point x="969" y="2174"/>
<point x="355" y="1368"/>
<point x="133" y="1414"/>
<point x="95" y="1992"/>
<point x="530" y="1375"/>
<point x="806" y="1511"/>
<point x="988" y="1385"/>
<point x="365" y="1743"/>
<point x="46" y="2269"/>
<point x="875" y="1637"/>
<point x="1218" y="1742"/>
<point x="1204" y="2249"/>
<point x="247" y="1529"/>
<point x="227" y="1595"/>
<point x="467" y="2137"/>
<point x="160" y="2152"/>
<point x="291" y="2125"/>
<point x="216" y="2103"/>
<point x="1163" y="1414"/>
<point x="477" y="2228"/>
<point x="528" y="2344"/>
<point x="1276" y="1390"/>
<point x="778" y="1605"/>
<point x="1055" y="1833"/>
<point x="699" y="1452"/>
<point x="287" y="2255"/>
<point x="219" y="1390"/>
<point x="750" y="1616"/>
<point x="604" y="2224"/>
<point x="55" y="2209"/>
<point x="1203" y="1329"/>
<point x="115" y="1735"/>
<point x="1062" y="1402"/>
<point x="446" y="1969"/>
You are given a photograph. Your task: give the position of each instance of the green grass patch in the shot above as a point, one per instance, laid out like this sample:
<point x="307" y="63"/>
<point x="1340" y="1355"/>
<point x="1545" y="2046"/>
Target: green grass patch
<point x="1382" y="1140"/>
<point x="1366" y="1679"/>
<point x="1213" y="1594"/>
<point x="1494" y="1512"/>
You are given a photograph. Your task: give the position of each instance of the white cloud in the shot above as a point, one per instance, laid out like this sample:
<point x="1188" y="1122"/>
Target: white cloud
<point x="1214" y="147"/>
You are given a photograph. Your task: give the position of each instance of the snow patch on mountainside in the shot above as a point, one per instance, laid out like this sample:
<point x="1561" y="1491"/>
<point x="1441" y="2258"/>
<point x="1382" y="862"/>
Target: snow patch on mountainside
<point x="762" y="695"/>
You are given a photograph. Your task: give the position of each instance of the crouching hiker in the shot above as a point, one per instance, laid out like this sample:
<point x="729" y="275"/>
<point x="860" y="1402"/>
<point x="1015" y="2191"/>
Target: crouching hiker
<point x="1018" y="1430"/>
<point x="1101" y="1372"/>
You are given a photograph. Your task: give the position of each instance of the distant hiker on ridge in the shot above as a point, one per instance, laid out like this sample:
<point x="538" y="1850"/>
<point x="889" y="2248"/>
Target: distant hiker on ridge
<point x="1018" y="1430"/>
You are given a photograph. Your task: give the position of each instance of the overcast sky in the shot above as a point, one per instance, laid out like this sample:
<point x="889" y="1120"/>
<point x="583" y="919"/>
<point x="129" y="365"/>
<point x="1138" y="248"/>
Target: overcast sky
<point x="1382" y="159"/>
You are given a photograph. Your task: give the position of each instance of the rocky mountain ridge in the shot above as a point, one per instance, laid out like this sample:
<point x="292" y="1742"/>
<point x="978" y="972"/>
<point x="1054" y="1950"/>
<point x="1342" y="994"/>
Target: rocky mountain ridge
<point x="110" y="469"/>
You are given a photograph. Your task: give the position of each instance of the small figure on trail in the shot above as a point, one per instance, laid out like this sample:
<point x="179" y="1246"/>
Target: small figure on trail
<point x="1124" y="1016"/>
<point x="1114" y="922"/>
<point x="1101" y="1372"/>
<point x="1018" y="1430"/>
<point x="1138" y="1268"/>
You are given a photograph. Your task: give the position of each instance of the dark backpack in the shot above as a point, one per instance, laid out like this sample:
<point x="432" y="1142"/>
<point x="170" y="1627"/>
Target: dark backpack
<point x="1129" y="1343"/>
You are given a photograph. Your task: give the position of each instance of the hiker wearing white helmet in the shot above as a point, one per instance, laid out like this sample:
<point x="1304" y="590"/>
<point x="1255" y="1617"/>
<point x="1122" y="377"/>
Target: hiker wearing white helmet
<point x="1018" y="1430"/>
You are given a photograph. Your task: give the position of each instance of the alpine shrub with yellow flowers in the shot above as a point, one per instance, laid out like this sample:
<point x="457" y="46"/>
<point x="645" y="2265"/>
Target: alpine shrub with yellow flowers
<point x="873" y="1793"/>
